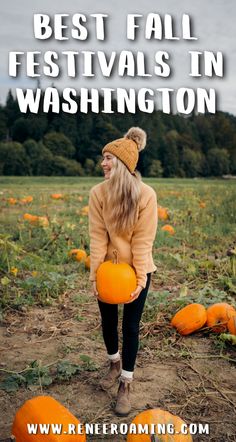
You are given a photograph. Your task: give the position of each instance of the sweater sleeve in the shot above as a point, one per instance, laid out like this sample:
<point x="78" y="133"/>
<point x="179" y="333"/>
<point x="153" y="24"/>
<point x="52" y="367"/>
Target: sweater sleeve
<point x="143" y="238"/>
<point x="98" y="235"/>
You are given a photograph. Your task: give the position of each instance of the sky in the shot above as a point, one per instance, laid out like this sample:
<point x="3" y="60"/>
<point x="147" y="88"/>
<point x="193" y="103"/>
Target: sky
<point x="213" y="23"/>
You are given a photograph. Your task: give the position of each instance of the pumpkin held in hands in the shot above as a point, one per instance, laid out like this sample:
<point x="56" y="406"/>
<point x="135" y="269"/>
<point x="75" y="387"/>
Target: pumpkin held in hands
<point x="115" y="281"/>
<point x="189" y="319"/>
<point x="44" y="410"/>
<point x="155" y="417"/>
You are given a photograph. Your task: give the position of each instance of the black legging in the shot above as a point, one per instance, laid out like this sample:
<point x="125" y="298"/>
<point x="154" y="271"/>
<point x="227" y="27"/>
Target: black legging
<point x="130" y="327"/>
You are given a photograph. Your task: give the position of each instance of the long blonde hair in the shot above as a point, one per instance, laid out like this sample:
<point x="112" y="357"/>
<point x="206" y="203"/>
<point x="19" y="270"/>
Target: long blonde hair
<point x="123" y="194"/>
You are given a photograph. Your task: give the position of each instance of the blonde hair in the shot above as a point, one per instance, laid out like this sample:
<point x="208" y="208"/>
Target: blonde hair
<point x="123" y="194"/>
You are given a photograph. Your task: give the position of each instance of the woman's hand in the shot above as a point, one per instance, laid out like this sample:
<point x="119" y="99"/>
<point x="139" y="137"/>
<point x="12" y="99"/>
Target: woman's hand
<point x="135" y="294"/>
<point x="95" y="292"/>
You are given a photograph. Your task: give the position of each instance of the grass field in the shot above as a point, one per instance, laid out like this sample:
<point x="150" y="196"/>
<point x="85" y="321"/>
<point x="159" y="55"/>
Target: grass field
<point x="51" y="337"/>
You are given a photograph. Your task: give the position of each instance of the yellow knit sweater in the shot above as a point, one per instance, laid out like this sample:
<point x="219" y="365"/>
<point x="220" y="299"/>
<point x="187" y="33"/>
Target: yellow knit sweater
<point x="134" y="248"/>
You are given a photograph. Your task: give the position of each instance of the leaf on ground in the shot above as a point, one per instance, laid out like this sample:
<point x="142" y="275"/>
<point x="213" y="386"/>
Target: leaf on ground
<point x="88" y="363"/>
<point x="65" y="370"/>
<point x="12" y="383"/>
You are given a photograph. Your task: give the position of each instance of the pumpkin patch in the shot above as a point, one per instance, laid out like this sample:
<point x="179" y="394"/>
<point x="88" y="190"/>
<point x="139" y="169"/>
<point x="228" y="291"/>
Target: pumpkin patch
<point x="49" y="311"/>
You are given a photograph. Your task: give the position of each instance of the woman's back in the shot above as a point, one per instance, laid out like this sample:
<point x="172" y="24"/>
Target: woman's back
<point x="135" y="246"/>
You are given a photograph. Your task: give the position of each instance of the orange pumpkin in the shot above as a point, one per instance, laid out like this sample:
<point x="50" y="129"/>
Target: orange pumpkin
<point x="189" y="319"/>
<point x="218" y="315"/>
<point x="85" y="210"/>
<point x="161" y="421"/>
<point x="115" y="281"/>
<point x="36" y="220"/>
<point x="231" y="325"/>
<point x="162" y="213"/>
<point x="73" y="252"/>
<point x="32" y="219"/>
<point x="45" y="410"/>
<point x="43" y="221"/>
<point x="27" y="199"/>
<point x="78" y="254"/>
<point x="81" y="255"/>
<point x="12" y="201"/>
<point x="169" y="229"/>
<point x="56" y="196"/>
<point x="202" y="204"/>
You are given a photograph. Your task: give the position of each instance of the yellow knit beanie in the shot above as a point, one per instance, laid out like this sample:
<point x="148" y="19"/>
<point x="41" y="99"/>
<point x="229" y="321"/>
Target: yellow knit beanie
<point x="127" y="149"/>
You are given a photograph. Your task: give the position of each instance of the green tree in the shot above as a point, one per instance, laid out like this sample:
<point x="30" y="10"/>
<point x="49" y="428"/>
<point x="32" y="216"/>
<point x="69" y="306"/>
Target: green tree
<point x="191" y="162"/>
<point x="21" y="130"/>
<point x="170" y="156"/>
<point x="98" y="168"/>
<point x="155" y="169"/>
<point x="89" y="167"/>
<point x="12" y="110"/>
<point x="13" y="159"/>
<point x="59" y="144"/>
<point x="44" y="163"/>
<point x="65" y="167"/>
<point x="223" y="129"/>
<point x="38" y="127"/>
<point x="218" y="161"/>
<point x="206" y="133"/>
<point x="3" y="125"/>
<point x="40" y="158"/>
<point x="93" y="132"/>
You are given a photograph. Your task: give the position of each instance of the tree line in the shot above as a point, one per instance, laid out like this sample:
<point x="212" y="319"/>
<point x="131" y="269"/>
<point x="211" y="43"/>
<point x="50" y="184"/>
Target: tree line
<point x="64" y="144"/>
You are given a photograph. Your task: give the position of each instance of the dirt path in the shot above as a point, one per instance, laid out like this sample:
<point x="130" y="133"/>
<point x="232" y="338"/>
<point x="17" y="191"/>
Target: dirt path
<point x="185" y="376"/>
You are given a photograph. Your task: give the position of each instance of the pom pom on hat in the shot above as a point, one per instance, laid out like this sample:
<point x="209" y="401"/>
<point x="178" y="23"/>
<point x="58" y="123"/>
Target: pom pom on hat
<point x="138" y="135"/>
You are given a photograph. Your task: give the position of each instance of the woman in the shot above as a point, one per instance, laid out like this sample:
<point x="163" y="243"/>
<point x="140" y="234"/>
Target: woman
<point x="123" y="217"/>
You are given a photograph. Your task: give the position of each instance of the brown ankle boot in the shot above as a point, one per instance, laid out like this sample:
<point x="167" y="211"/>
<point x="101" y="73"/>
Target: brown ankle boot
<point x="123" y="405"/>
<point x="114" y="372"/>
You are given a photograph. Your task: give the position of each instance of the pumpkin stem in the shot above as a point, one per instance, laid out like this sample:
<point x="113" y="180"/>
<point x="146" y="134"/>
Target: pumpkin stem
<point x="115" y="253"/>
